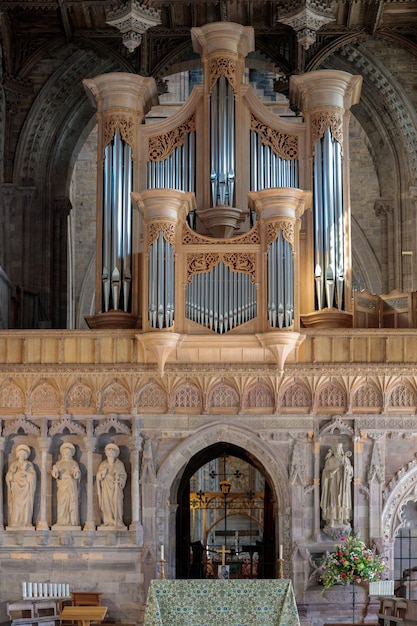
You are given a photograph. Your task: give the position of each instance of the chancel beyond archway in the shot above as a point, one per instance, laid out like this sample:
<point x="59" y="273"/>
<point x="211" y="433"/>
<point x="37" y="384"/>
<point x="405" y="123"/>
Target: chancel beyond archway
<point x="226" y="516"/>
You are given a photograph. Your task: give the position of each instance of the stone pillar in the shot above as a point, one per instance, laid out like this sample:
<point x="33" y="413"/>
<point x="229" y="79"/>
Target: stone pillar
<point x="90" y="445"/>
<point x="384" y="209"/>
<point x="2" y="446"/>
<point x="316" y="483"/>
<point x="135" y="448"/>
<point x="62" y="208"/>
<point x="44" y="443"/>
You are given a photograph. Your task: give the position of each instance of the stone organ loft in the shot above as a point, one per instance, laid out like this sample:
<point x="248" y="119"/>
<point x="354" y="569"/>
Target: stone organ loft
<point x="222" y="324"/>
<point x="204" y="219"/>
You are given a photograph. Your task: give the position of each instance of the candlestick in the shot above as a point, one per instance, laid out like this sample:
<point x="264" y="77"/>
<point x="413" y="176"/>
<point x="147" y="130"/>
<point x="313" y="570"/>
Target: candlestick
<point x="162" y="553"/>
<point x="280" y="551"/>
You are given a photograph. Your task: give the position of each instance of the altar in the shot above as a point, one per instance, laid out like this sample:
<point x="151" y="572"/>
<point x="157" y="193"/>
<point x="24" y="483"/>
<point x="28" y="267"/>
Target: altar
<point x="217" y="602"/>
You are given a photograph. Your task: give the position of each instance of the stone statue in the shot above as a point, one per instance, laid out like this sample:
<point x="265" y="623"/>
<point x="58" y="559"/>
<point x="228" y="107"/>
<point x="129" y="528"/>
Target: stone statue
<point x="21" y="483"/>
<point x="111" y="479"/>
<point x="336" y="496"/>
<point x="67" y="474"/>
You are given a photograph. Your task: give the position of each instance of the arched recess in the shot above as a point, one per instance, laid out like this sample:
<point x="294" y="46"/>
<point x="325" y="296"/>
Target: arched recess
<point x="401" y="490"/>
<point x="183" y="461"/>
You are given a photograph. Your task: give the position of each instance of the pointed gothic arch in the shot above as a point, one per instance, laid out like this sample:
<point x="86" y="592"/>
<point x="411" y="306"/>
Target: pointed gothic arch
<point x="190" y="455"/>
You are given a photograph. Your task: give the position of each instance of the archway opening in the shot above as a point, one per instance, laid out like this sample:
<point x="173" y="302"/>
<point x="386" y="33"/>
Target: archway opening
<point x="226" y="515"/>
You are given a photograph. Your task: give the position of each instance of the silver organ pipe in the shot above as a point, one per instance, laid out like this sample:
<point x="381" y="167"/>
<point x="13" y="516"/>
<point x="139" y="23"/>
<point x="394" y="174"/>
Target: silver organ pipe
<point x="221" y="299"/>
<point x="117" y="225"/>
<point x="222" y="139"/>
<point x="161" y="291"/>
<point x="177" y="171"/>
<point x="328" y="222"/>
<point x="268" y="169"/>
<point x="280" y="283"/>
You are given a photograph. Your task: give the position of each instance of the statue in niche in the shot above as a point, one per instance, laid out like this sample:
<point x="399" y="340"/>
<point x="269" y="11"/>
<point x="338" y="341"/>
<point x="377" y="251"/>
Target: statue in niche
<point x="21" y="484"/>
<point x="336" y="496"/>
<point x="67" y="474"/>
<point x="111" y="480"/>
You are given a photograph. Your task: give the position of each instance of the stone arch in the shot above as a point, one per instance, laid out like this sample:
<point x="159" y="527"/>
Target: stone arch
<point x="172" y="469"/>
<point x="296" y="396"/>
<point x="367" y="395"/>
<point x="259" y="396"/>
<point x="401" y="490"/>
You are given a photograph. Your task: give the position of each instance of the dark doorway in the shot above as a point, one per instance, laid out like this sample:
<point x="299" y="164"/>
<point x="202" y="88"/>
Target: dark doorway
<point x="225" y="502"/>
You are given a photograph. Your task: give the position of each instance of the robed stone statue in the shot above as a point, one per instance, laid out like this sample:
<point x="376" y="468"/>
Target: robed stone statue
<point x="336" y="488"/>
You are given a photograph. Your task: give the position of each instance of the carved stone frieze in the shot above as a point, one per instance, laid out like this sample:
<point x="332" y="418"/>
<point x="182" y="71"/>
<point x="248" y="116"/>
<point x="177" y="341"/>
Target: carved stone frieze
<point x="161" y="146"/>
<point x="283" y="145"/>
<point x="199" y="262"/>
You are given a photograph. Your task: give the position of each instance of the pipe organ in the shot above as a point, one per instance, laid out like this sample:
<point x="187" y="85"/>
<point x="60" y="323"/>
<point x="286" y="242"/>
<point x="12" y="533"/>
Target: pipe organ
<point x="215" y="231"/>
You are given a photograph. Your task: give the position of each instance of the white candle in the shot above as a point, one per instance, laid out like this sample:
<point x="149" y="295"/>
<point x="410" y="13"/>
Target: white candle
<point x="59" y="590"/>
<point x="30" y="590"/>
<point x="280" y="551"/>
<point x="50" y="589"/>
<point x="35" y="590"/>
<point x="67" y="591"/>
<point x="162" y="553"/>
<point x="24" y="590"/>
<point x="45" y="590"/>
<point x="55" y="590"/>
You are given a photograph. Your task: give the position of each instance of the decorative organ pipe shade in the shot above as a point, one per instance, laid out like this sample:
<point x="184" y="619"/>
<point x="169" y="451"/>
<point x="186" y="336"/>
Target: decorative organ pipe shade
<point x="328" y="223"/>
<point x="117" y="225"/>
<point x="268" y="169"/>
<point x="177" y="171"/>
<point x="222" y="143"/>
<point x="161" y="283"/>
<point x="280" y="283"/>
<point x="221" y="299"/>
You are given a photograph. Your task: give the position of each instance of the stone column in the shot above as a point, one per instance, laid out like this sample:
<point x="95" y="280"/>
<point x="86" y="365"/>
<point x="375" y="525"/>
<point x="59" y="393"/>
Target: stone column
<point x="135" y="448"/>
<point x="2" y="446"/>
<point x="316" y="483"/>
<point x="90" y="445"/>
<point x="62" y="208"/>
<point x="384" y="209"/>
<point x="44" y="443"/>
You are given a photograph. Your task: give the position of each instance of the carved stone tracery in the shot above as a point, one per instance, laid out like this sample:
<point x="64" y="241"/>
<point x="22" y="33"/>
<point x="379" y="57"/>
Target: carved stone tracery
<point x="321" y="120"/>
<point x="287" y="228"/>
<point x="161" y="146"/>
<point x="168" y="229"/>
<point x="122" y="123"/>
<point x="200" y="262"/>
<point x="284" y="145"/>
<point x="222" y="66"/>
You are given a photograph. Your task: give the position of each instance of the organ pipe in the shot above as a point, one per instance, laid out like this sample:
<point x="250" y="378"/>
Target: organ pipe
<point x="117" y="225"/>
<point x="221" y="299"/>
<point x="161" y="291"/>
<point x="268" y="169"/>
<point x="328" y="223"/>
<point x="280" y="283"/>
<point x="222" y="140"/>
<point x="177" y="171"/>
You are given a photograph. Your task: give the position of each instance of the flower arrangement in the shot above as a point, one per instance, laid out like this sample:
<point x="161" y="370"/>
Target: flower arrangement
<point x="352" y="562"/>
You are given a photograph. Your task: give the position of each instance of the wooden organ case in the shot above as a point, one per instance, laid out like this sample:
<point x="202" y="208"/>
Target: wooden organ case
<point x="202" y="225"/>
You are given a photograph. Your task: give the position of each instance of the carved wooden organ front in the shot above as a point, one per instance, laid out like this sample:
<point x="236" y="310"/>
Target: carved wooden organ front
<point x="202" y="223"/>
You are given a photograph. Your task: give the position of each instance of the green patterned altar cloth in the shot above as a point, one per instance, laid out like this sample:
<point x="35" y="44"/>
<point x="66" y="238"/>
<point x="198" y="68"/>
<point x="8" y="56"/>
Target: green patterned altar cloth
<point x="218" y="602"/>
